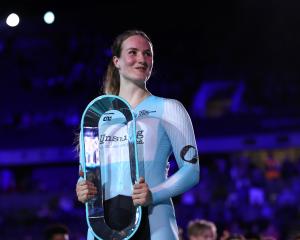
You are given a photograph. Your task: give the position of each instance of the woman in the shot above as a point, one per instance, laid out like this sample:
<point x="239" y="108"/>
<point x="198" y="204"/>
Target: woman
<point x="163" y="127"/>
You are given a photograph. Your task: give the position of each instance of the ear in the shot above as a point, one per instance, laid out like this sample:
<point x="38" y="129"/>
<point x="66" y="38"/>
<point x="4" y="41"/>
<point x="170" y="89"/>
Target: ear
<point x="116" y="62"/>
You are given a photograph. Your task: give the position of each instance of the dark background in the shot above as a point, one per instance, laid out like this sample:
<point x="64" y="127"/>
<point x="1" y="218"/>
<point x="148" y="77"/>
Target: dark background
<point x="247" y="128"/>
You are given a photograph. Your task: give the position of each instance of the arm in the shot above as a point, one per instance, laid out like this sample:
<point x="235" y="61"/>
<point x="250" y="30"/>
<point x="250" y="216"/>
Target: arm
<point x="179" y="129"/>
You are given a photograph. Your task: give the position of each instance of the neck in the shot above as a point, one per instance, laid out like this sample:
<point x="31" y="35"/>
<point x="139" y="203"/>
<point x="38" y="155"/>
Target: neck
<point x="133" y="93"/>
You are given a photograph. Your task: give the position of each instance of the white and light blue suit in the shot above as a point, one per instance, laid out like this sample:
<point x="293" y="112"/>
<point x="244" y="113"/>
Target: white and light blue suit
<point x="163" y="127"/>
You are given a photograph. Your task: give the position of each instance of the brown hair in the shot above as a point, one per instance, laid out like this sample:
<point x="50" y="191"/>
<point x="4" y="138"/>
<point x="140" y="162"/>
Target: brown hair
<point x="111" y="82"/>
<point x="54" y="229"/>
<point x="197" y="227"/>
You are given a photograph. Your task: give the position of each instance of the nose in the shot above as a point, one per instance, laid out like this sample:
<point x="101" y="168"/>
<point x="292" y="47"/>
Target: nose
<point x="141" y="58"/>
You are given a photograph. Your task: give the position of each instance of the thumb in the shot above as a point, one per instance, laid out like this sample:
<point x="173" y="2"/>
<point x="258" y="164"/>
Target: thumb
<point x="142" y="180"/>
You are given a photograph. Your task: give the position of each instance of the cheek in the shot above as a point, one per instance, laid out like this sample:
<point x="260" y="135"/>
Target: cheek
<point x="150" y="63"/>
<point x="129" y="61"/>
<point x="150" y="60"/>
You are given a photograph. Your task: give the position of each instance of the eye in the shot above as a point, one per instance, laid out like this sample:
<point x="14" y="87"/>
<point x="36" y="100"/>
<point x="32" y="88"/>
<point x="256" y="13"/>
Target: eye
<point x="132" y="52"/>
<point x="148" y="53"/>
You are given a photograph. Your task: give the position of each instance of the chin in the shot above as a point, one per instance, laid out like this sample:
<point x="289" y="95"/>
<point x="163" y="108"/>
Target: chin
<point x="138" y="78"/>
<point x="142" y="78"/>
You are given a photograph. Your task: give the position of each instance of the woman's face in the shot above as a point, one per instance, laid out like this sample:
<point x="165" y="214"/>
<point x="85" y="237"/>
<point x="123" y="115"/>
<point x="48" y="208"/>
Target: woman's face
<point x="136" y="59"/>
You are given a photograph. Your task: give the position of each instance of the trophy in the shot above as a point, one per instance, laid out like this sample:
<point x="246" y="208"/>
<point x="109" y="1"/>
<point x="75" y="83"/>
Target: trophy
<point x="108" y="155"/>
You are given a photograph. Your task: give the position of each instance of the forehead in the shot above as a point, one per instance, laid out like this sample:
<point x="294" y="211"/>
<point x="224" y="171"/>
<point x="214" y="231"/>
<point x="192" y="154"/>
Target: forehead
<point x="136" y="41"/>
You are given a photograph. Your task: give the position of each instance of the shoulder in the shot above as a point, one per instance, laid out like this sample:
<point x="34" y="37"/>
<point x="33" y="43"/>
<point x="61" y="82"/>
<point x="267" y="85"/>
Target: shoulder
<point x="168" y="102"/>
<point x="170" y="107"/>
<point x="171" y="104"/>
<point x="165" y="107"/>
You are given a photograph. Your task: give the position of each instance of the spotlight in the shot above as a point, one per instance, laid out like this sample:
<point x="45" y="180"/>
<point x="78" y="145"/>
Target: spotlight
<point x="12" y="20"/>
<point x="49" y="17"/>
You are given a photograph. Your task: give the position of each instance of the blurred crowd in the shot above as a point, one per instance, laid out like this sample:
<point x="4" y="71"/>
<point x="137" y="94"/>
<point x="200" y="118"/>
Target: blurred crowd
<point x="240" y="195"/>
<point x="247" y="197"/>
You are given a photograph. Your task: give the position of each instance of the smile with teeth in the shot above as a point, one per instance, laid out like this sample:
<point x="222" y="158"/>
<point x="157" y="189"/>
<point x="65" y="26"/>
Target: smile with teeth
<point x="141" y="68"/>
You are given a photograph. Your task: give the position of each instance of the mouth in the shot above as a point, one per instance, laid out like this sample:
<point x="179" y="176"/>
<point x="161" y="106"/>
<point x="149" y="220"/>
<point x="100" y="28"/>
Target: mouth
<point x="143" y="69"/>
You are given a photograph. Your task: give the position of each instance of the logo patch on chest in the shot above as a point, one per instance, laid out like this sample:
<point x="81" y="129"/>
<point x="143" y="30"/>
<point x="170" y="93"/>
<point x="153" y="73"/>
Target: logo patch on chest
<point x="144" y="112"/>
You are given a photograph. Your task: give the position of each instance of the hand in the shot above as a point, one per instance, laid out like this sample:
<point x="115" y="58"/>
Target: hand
<point x="141" y="195"/>
<point x="85" y="190"/>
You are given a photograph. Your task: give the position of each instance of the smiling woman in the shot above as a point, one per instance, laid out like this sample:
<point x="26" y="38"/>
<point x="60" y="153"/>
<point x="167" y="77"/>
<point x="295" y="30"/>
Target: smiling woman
<point x="132" y="61"/>
<point x="135" y="61"/>
<point x="163" y="126"/>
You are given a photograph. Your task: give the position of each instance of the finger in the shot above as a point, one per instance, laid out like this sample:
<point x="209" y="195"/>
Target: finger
<point x="90" y="183"/>
<point x="139" y="202"/>
<point x="84" y="196"/>
<point x="82" y="193"/>
<point x="142" y="180"/>
<point x="91" y="195"/>
<point x="86" y="188"/>
<point x="85" y="183"/>
<point x="137" y="186"/>
<point x="139" y="190"/>
<point x="136" y="203"/>
<point x="137" y="196"/>
<point x="140" y="196"/>
<point x="140" y="185"/>
<point x="92" y="190"/>
<point x="80" y="183"/>
<point x="91" y="187"/>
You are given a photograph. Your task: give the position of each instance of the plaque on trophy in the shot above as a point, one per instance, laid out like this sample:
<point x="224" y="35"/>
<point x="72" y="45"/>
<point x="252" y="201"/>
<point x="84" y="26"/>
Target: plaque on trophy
<point x="108" y="155"/>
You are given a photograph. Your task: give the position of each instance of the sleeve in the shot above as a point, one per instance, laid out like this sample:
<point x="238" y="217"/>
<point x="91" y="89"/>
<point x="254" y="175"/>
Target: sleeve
<point x="178" y="126"/>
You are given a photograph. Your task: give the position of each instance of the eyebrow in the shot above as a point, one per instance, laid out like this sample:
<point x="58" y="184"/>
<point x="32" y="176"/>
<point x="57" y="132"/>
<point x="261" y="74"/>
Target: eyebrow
<point x="133" y="48"/>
